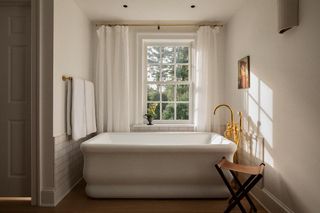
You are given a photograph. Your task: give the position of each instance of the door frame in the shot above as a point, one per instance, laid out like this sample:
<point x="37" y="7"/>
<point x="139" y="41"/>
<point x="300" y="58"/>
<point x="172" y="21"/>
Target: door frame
<point x="34" y="97"/>
<point x="35" y="82"/>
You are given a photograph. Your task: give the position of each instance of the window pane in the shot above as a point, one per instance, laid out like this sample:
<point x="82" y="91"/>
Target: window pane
<point x="167" y="72"/>
<point x="157" y="110"/>
<point x="182" y="72"/>
<point x="153" y="54"/>
<point x="182" y="111"/>
<point x="182" y="55"/>
<point x="167" y="92"/>
<point x="167" y="111"/>
<point x="153" y="73"/>
<point x="182" y="92"/>
<point x="153" y="92"/>
<point x="167" y="55"/>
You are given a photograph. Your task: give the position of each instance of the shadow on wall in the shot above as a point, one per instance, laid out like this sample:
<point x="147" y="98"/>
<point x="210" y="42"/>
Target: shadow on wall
<point x="258" y="125"/>
<point x="257" y="143"/>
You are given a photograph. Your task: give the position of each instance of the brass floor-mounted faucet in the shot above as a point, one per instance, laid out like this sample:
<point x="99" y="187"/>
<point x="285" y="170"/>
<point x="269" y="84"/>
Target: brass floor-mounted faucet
<point x="233" y="130"/>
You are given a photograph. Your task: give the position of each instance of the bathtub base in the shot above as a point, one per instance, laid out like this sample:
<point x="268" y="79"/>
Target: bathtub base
<point x="157" y="191"/>
<point x="155" y="165"/>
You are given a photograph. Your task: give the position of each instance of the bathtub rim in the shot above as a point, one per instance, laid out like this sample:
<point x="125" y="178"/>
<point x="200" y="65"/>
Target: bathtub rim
<point x="90" y="147"/>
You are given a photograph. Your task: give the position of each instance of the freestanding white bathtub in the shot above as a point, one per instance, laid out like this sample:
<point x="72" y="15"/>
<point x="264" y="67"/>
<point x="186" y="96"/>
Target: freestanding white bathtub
<point x="155" y="165"/>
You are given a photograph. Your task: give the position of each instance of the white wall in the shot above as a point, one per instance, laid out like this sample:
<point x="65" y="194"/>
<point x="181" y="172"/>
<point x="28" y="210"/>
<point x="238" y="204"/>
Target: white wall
<point x="288" y="68"/>
<point x="72" y="54"/>
<point x="72" y="57"/>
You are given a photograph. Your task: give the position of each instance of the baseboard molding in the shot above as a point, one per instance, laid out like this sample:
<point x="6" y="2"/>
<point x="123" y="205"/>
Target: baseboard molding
<point x="58" y="199"/>
<point x="269" y="202"/>
<point x="265" y="198"/>
<point x="47" y="197"/>
<point x="258" y="201"/>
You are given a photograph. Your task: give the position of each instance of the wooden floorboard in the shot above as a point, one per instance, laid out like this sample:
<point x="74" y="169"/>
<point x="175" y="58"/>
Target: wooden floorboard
<point x="77" y="201"/>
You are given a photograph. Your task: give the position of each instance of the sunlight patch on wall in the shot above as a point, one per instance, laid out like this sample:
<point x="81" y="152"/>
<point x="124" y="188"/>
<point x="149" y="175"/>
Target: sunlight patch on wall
<point x="259" y="108"/>
<point x="266" y="128"/>
<point x="254" y="87"/>
<point x="266" y="99"/>
<point x="253" y="99"/>
<point x="268" y="158"/>
<point x="253" y="110"/>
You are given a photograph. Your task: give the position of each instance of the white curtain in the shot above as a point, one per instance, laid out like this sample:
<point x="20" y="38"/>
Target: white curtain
<point x="112" y="79"/>
<point x="206" y="79"/>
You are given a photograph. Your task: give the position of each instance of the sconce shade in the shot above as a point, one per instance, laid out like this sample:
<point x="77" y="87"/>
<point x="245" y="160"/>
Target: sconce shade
<point x="288" y="15"/>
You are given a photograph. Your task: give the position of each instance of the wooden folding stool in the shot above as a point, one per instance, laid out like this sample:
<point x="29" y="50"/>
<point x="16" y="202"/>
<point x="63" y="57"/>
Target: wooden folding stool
<point x="255" y="173"/>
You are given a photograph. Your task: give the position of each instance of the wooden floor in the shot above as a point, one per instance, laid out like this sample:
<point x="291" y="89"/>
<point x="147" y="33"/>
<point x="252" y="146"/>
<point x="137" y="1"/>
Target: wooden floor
<point x="77" y="201"/>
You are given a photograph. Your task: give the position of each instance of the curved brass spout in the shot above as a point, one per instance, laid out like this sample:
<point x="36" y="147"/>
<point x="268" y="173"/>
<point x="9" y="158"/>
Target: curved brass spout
<point x="233" y="130"/>
<point x="231" y="112"/>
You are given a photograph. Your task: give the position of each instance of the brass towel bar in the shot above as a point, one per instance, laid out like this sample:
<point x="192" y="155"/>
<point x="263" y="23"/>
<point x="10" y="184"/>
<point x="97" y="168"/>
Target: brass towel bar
<point x="64" y="78"/>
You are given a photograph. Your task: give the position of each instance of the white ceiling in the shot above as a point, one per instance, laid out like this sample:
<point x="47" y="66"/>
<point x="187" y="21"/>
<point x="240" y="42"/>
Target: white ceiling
<point x="160" y="10"/>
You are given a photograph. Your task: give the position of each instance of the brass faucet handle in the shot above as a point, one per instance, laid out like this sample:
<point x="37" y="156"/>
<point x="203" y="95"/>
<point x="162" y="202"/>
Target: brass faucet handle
<point x="240" y="120"/>
<point x="233" y="129"/>
<point x="236" y="127"/>
<point x="228" y="133"/>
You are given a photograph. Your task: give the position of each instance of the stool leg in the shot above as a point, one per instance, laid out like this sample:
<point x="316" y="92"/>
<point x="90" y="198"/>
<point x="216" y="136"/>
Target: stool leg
<point x="242" y="187"/>
<point x="236" y="199"/>
<point x="235" y="202"/>
<point x="244" y="184"/>
<point x="243" y="193"/>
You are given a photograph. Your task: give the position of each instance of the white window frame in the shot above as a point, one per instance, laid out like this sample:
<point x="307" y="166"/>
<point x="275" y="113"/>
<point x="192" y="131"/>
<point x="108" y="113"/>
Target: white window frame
<point x="170" y="42"/>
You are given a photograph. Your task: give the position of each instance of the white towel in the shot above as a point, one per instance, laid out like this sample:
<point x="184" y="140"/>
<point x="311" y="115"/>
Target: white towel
<point x="78" y="118"/>
<point x="90" y="108"/>
<point x="69" y="96"/>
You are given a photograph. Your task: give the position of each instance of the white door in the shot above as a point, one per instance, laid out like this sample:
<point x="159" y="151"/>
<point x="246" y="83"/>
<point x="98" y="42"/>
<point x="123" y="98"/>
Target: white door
<point x="15" y="98"/>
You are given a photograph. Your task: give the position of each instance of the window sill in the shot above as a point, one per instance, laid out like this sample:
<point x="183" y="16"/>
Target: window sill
<point x="162" y="128"/>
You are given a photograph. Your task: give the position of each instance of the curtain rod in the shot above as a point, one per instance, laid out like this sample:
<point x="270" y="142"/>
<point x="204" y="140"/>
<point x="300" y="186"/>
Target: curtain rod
<point x="160" y="25"/>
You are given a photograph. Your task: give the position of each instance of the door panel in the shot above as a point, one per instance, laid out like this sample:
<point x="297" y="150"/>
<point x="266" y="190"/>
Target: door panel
<point x="15" y="105"/>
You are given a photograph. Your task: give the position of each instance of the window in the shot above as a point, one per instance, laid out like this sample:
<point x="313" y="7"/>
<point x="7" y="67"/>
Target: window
<point x="168" y="81"/>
